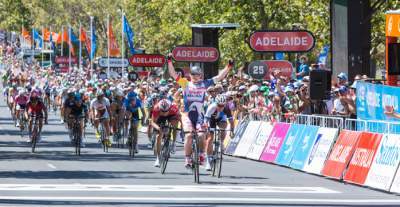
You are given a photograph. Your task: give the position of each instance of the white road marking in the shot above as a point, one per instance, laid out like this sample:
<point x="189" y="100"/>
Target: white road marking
<point x="200" y="199"/>
<point x="51" y="166"/>
<point x="167" y="188"/>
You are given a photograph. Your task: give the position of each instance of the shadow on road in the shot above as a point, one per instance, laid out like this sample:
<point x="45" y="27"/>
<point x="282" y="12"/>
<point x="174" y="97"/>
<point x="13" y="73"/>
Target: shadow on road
<point x="61" y="174"/>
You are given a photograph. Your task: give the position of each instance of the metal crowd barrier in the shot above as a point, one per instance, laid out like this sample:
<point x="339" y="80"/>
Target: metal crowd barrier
<point x="377" y="126"/>
<point x="319" y="120"/>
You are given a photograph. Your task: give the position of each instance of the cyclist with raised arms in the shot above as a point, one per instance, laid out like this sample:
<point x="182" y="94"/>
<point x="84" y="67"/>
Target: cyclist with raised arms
<point x="163" y="111"/>
<point x="193" y="97"/>
<point x="217" y="114"/>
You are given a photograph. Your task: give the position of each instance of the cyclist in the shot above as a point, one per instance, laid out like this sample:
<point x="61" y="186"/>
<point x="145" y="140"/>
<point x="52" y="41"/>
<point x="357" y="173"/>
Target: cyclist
<point x="20" y="104"/>
<point x="217" y="114"/>
<point x="150" y="103"/>
<point x="35" y="107"/>
<point x="194" y="96"/>
<point x="117" y="109"/>
<point x="132" y="104"/>
<point x="100" y="108"/>
<point x="164" y="111"/>
<point x="76" y="109"/>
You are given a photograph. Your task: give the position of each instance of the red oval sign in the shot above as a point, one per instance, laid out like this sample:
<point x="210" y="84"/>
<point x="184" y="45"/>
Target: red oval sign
<point x="147" y="60"/>
<point x="65" y="60"/>
<point x="195" y="54"/>
<point x="282" y="41"/>
<point x="285" y="68"/>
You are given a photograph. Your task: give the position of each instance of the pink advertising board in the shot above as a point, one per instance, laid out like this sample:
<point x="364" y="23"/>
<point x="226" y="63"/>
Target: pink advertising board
<point x="275" y="142"/>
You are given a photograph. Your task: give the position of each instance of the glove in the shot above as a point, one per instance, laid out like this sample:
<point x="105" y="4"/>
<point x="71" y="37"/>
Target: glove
<point x="169" y="57"/>
<point x="231" y="62"/>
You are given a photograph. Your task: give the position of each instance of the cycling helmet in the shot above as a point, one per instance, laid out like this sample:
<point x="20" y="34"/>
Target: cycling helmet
<point x="119" y="93"/>
<point x="210" y="89"/>
<point x="131" y="95"/>
<point x="263" y="88"/>
<point x="164" y="105"/>
<point x="21" y="92"/>
<point x="155" y="96"/>
<point x="220" y="99"/>
<point x="163" y="82"/>
<point x="196" y="70"/>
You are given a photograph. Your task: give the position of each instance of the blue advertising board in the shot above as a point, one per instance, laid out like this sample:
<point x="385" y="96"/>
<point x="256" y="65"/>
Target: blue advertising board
<point x="371" y="101"/>
<point x="292" y="139"/>
<point x="303" y="149"/>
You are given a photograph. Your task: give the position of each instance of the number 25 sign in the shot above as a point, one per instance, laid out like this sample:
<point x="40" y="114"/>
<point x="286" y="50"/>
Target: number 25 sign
<point x="257" y="69"/>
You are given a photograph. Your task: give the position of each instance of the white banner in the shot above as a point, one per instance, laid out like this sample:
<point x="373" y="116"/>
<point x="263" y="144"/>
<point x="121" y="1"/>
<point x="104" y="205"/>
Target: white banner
<point x="385" y="164"/>
<point x="259" y="143"/>
<point x="320" y="150"/>
<point x="248" y="138"/>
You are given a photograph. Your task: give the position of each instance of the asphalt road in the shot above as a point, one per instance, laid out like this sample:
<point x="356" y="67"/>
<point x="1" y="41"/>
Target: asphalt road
<point x="55" y="176"/>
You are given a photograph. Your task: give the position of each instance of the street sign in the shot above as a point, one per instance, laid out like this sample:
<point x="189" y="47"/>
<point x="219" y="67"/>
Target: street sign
<point x="257" y="69"/>
<point x="285" y="68"/>
<point x="114" y="62"/>
<point x="195" y="54"/>
<point x="65" y="60"/>
<point x="147" y="60"/>
<point x="282" y="41"/>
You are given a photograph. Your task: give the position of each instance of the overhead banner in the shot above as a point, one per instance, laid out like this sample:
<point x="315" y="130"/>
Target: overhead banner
<point x="362" y="158"/>
<point x="249" y="136"/>
<point x="341" y="154"/>
<point x="282" y="41"/>
<point x="302" y="152"/>
<point x="288" y="148"/>
<point x="384" y="166"/>
<point x="321" y="147"/>
<point x="258" y="145"/>
<point x="239" y="131"/>
<point x="275" y="141"/>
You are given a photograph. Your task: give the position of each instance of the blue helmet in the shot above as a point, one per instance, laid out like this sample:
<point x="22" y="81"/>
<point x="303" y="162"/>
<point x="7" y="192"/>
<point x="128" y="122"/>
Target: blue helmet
<point x="131" y="95"/>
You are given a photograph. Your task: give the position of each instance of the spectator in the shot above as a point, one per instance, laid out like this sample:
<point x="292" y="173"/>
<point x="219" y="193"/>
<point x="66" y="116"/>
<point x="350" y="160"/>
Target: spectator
<point x="304" y="69"/>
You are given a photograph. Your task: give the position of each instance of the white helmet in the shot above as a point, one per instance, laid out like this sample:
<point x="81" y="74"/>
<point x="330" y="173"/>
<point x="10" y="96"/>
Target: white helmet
<point x="220" y="99"/>
<point x="164" y="105"/>
<point x="253" y="88"/>
<point x="118" y="92"/>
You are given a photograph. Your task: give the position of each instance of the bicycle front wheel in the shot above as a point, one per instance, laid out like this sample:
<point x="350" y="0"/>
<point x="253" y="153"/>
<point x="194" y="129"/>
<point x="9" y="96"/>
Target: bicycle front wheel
<point x="165" y="153"/>
<point x="196" y="160"/>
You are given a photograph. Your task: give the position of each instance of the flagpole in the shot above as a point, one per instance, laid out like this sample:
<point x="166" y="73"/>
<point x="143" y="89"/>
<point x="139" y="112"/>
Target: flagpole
<point x="33" y="49"/>
<point x="122" y="45"/>
<point x="43" y="43"/>
<point x="62" y="40"/>
<point x="51" y="46"/>
<point x="91" y="47"/>
<point x="69" y="48"/>
<point x="80" y="47"/>
<point x="108" y="45"/>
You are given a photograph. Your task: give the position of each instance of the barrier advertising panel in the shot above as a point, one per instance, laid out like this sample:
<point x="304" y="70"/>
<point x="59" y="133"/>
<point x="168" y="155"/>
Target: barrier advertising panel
<point x="288" y="148"/>
<point x="239" y="131"/>
<point x="303" y="149"/>
<point x="258" y="145"/>
<point x="248" y="138"/>
<point x="385" y="164"/>
<point x="319" y="151"/>
<point x="275" y="141"/>
<point x="341" y="154"/>
<point x="362" y="158"/>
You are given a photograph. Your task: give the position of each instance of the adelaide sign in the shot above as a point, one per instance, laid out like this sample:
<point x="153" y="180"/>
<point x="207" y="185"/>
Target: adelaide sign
<point x="195" y="54"/>
<point x="147" y="60"/>
<point x="282" y="41"/>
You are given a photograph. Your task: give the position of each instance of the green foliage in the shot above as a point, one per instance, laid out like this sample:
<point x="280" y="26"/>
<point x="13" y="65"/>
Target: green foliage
<point x="159" y="25"/>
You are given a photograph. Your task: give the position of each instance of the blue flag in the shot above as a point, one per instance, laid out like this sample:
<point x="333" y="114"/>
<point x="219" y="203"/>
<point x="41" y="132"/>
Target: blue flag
<point x="92" y="43"/>
<point x="74" y="38"/>
<point x="37" y="37"/>
<point x="323" y="55"/>
<point x="129" y="35"/>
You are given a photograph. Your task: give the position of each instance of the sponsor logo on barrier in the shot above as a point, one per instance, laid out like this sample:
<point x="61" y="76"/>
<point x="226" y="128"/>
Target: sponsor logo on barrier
<point x="341" y="154"/>
<point x="361" y="161"/>
<point x="275" y="142"/>
<point x="238" y="135"/>
<point x="246" y="141"/>
<point x="262" y="138"/>
<point x="321" y="148"/>
<point x="302" y="152"/>
<point x="293" y="138"/>
<point x="385" y="164"/>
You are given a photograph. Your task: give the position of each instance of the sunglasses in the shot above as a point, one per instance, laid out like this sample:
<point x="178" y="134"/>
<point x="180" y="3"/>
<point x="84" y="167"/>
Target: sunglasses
<point x="221" y="105"/>
<point x="195" y="74"/>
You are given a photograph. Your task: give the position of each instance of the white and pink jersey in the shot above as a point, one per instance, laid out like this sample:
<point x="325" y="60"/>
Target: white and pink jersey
<point x="194" y="93"/>
<point x="21" y="99"/>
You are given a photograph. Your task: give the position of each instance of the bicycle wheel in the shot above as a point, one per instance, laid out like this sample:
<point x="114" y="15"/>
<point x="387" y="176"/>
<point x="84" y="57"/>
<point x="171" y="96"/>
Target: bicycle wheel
<point x="165" y="153"/>
<point x="77" y="139"/>
<point x="215" y="154"/>
<point x="130" y="143"/>
<point x="34" y="138"/>
<point x="219" y="158"/>
<point x="196" y="161"/>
